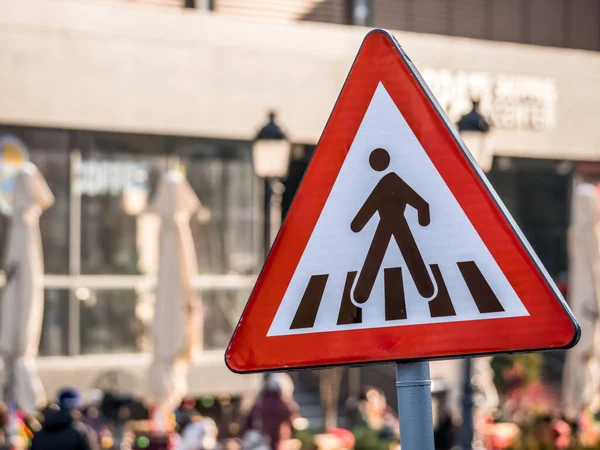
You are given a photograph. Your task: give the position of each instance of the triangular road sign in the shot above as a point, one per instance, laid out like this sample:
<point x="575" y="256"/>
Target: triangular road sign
<point x="396" y="247"/>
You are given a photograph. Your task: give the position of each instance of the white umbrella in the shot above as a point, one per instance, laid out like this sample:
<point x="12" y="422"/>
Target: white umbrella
<point x="176" y="320"/>
<point x="23" y="300"/>
<point x="581" y="383"/>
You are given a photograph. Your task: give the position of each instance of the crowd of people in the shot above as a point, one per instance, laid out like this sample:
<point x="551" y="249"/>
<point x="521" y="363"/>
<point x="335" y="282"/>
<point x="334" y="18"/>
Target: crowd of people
<point x="113" y="422"/>
<point x="74" y="423"/>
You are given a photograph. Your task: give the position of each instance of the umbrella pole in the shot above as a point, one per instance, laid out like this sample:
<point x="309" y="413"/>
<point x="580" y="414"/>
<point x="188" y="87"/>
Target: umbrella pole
<point x="8" y="388"/>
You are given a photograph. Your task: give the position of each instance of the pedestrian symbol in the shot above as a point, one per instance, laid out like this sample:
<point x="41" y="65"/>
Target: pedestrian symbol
<point x="395" y="246"/>
<point x="390" y="198"/>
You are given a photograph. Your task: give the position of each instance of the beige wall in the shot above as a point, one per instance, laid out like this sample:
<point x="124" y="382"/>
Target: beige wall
<point x="184" y="72"/>
<point x="129" y="372"/>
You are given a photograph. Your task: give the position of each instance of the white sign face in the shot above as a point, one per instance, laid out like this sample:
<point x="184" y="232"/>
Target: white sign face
<point x="510" y="101"/>
<point x="357" y="225"/>
<point x="110" y="177"/>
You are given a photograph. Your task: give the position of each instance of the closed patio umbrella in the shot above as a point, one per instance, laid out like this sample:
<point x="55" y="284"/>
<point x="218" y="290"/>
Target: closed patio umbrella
<point x="176" y="319"/>
<point x="581" y="378"/>
<point x="23" y="297"/>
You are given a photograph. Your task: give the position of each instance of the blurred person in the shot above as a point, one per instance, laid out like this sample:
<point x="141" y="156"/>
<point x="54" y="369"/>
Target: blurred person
<point x="375" y="413"/>
<point x="269" y="422"/>
<point x="286" y="385"/>
<point x="92" y="418"/>
<point x="445" y="431"/>
<point x="376" y="424"/>
<point x="91" y="413"/>
<point x="352" y="412"/>
<point x="186" y="414"/>
<point x="200" y="435"/>
<point x="62" y="427"/>
<point x="232" y="444"/>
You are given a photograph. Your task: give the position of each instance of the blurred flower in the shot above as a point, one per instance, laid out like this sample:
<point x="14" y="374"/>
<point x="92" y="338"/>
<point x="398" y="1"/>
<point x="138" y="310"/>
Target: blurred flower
<point x="503" y="435"/>
<point x="562" y="431"/>
<point x="589" y="429"/>
<point x="345" y="436"/>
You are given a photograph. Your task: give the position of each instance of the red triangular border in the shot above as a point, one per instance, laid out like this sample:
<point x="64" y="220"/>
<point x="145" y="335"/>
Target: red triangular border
<point x="550" y="323"/>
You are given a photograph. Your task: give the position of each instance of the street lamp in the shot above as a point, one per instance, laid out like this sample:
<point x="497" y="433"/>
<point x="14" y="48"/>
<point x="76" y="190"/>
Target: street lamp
<point x="473" y="128"/>
<point x="271" y="157"/>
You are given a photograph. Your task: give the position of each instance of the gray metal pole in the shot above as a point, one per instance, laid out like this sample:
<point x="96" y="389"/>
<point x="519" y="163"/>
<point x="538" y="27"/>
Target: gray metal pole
<point x="74" y="315"/>
<point x="466" y="429"/>
<point x="267" y="219"/>
<point x="413" y="384"/>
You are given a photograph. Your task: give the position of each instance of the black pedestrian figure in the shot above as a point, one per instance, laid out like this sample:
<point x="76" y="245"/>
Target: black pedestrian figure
<point x="390" y="198"/>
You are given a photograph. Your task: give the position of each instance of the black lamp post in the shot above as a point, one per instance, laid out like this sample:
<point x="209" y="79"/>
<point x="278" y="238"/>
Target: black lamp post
<point x="271" y="156"/>
<point x="473" y="128"/>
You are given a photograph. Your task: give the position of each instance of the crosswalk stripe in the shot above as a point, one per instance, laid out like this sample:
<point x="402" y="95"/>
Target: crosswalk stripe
<point x="441" y="305"/>
<point x="482" y="293"/>
<point x="349" y="312"/>
<point x="309" y="305"/>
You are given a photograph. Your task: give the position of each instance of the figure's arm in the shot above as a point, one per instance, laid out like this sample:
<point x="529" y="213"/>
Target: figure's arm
<point x="365" y="213"/>
<point x="422" y="207"/>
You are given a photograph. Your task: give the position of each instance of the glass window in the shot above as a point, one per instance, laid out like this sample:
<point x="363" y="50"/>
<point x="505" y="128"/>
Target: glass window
<point x="224" y="181"/>
<point x="538" y="195"/>
<point x="221" y="176"/>
<point x="109" y="323"/>
<point x="222" y="309"/>
<point x="54" y="338"/>
<point x="120" y="321"/>
<point x="109" y="169"/>
<point x="359" y="12"/>
<point x="49" y="151"/>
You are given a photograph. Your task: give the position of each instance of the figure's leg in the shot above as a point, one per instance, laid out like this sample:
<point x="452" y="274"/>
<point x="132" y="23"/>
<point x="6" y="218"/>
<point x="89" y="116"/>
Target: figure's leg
<point x="414" y="261"/>
<point x="372" y="264"/>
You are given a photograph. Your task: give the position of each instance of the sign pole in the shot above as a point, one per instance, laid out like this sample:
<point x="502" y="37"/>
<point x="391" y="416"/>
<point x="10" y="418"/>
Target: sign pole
<point x="413" y="385"/>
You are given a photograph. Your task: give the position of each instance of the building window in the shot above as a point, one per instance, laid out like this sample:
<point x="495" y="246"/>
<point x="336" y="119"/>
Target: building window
<point x="359" y="12"/>
<point x="54" y="340"/>
<point x="207" y="5"/>
<point x="110" y="323"/>
<point x="109" y="231"/>
<point x="527" y="187"/>
<point x="223" y="178"/>
<point x="98" y="234"/>
<point x="48" y="150"/>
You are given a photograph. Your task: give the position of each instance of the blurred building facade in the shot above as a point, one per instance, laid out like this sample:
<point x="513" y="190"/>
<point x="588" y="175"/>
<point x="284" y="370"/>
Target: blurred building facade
<point x="108" y="94"/>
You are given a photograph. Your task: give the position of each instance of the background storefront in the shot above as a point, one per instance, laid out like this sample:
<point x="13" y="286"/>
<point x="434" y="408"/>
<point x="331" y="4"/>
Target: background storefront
<point x="108" y="96"/>
<point x="100" y="249"/>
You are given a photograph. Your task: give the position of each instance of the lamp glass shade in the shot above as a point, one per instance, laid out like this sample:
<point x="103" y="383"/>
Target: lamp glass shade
<point x="271" y="158"/>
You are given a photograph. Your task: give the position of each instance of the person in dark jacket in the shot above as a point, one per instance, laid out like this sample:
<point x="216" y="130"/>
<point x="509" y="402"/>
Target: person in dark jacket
<point x="271" y="417"/>
<point x="61" y="430"/>
<point x="187" y="414"/>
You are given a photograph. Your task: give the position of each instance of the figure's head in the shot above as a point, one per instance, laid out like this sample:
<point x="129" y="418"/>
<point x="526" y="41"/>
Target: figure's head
<point x="379" y="159"/>
<point x="69" y="398"/>
<point x="271" y="384"/>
